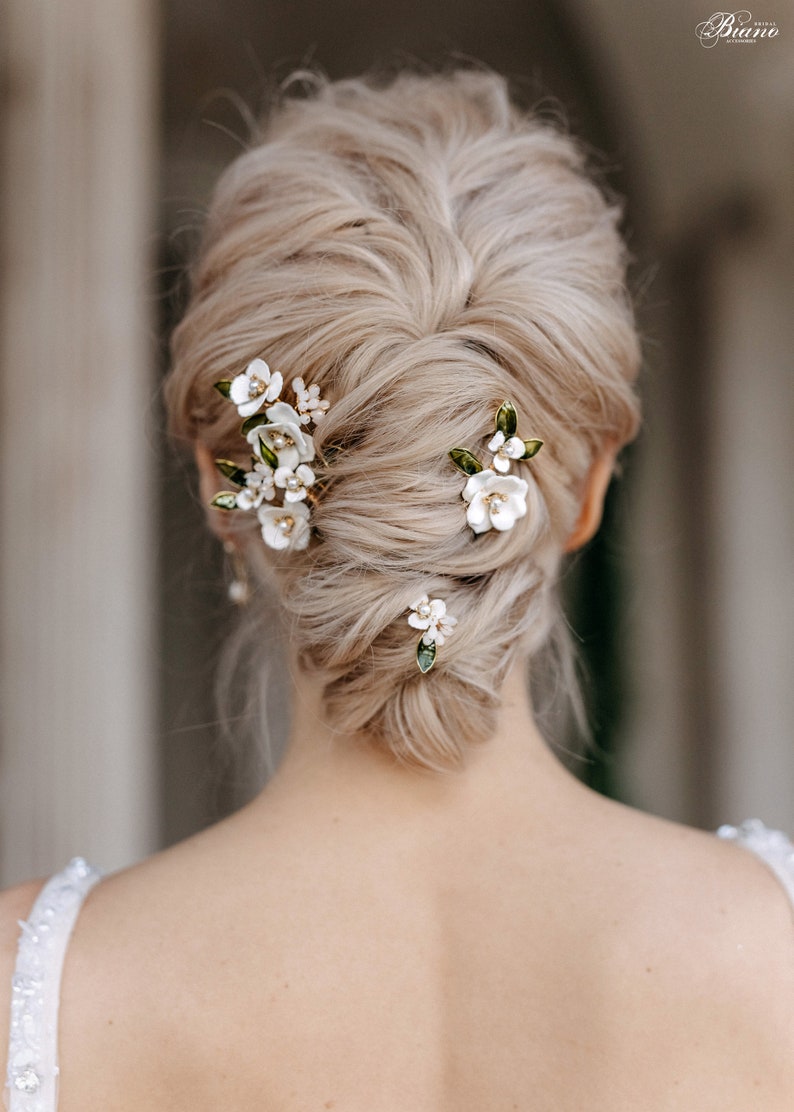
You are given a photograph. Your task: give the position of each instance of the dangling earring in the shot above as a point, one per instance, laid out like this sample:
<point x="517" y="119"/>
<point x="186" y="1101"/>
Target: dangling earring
<point x="239" y="590"/>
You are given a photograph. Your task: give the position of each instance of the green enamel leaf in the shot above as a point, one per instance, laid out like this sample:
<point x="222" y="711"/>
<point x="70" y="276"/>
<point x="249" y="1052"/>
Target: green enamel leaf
<point x="531" y="448"/>
<point x="232" y="472"/>
<point x="506" y="419"/>
<point x="224" y="500"/>
<point x="254" y="422"/>
<point x="268" y="455"/>
<point x="465" y="461"/>
<point x="223" y="387"/>
<point x="425" y="655"/>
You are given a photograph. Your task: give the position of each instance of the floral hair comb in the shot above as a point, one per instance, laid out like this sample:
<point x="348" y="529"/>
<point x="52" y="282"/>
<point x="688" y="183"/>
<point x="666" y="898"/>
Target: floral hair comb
<point x="281" y="451"/>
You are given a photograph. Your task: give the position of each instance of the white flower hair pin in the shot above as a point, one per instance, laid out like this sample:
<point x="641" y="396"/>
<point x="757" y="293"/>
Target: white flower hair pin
<point x="281" y="453"/>
<point x="431" y="616"/>
<point x="255" y="386"/>
<point x="495" y="499"/>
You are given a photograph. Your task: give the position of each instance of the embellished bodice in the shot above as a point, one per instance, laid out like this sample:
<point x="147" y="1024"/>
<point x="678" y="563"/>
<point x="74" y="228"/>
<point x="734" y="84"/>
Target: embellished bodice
<point x="32" y="1077"/>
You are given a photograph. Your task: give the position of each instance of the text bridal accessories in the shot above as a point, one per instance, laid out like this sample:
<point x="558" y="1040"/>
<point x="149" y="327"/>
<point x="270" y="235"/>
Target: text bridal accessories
<point x="431" y="616"/>
<point x="281" y="454"/>
<point x="495" y="499"/>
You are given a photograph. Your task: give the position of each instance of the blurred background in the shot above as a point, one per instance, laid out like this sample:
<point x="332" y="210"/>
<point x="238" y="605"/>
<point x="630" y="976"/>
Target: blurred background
<point x="116" y="116"/>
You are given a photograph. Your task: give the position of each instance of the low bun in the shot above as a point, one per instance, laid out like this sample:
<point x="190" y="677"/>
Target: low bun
<point x="450" y="254"/>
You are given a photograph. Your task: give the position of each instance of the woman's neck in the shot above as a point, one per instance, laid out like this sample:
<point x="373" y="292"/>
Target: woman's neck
<point x="514" y="766"/>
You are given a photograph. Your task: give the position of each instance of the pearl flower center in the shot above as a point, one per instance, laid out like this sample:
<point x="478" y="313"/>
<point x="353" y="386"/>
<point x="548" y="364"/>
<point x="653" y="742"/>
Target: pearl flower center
<point x="285" y="524"/>
<point x="493" y="500"/>
<point x="281" y="440"/>
<point x="256" y="387"/>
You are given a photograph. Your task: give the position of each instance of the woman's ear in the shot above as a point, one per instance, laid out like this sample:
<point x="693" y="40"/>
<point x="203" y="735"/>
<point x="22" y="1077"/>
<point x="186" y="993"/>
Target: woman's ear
<point x="208" y="473"/>
<point x="210" y="482"/>
<point x="595" y="489"/>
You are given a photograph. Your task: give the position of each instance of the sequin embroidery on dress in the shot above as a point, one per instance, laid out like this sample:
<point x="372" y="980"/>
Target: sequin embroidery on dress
<point x="32" y="1075"/>
<point x="772" y="846"/>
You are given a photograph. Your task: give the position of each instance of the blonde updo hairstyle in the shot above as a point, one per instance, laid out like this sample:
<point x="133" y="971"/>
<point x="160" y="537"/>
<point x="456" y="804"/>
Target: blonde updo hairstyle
<point x="422" y="251"/>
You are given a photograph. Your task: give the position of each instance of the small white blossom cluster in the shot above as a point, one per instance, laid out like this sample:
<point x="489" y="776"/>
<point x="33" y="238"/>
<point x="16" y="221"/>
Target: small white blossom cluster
<point x="430" y="615"/>
<point x="281" y="453"/>
<point x="495" y="499"/>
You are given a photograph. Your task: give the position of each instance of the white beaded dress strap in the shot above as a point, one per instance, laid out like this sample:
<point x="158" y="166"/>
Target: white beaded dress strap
<point x="772" y="846"/>
<point x="32" y="1076"/>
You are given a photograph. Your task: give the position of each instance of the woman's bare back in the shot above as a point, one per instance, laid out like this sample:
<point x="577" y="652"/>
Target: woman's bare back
<point x="301" y="957"/>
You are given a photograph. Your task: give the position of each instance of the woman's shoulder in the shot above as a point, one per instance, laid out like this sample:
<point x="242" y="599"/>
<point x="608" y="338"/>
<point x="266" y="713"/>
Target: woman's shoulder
<point x="710" y="875"/>
<point x="117" y="922"/>
<point x="702" y="897"/>
<point x="725" y="914"/>
<point x="700" y="943"/>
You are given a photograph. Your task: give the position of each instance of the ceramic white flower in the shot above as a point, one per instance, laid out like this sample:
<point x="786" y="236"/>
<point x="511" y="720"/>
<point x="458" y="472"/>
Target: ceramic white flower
<point x="310" y="405"/>
<point x="494" y="501"/>
<point x="259" y="485"/>
<point x="256" y="386"/>
<point x="294" y="483"/>
<point x="285" y="527"/>
<point x="505" y="449"/>
<point x="431" y="616"/>
<point x="284" y="436"/>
